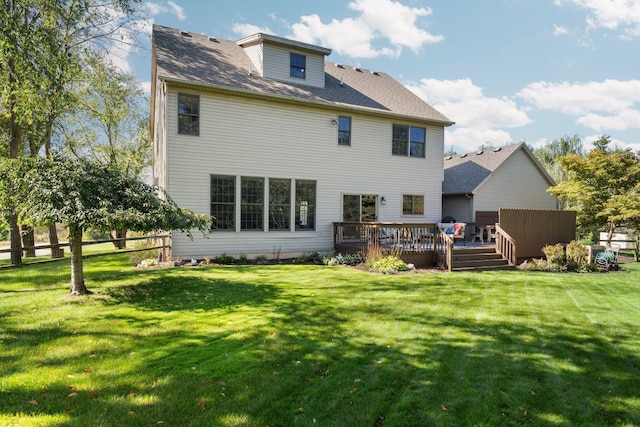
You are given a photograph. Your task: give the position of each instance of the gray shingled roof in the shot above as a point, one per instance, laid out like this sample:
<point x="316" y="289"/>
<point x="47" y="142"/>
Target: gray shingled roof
<point x="464" y="173"/>
<point x="199" y="59"/>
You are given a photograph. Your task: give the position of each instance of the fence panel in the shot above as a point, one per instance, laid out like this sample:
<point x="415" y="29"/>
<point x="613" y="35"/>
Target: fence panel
<point x="533" y="229"/>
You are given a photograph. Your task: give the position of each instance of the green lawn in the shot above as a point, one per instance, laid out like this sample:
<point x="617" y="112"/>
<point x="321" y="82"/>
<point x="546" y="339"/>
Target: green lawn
<point x="313" y="345"/>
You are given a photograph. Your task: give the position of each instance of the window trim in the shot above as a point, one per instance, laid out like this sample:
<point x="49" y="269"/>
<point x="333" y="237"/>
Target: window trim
<point x="195" y="115"/>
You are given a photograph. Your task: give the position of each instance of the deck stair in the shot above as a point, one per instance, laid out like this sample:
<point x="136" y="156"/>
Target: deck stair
<point x="478" y="259"/>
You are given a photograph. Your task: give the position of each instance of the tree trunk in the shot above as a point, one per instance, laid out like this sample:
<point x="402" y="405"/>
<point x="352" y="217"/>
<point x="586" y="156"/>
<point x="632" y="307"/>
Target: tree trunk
<point x="56" y="250"/>
<point x="120" y="234"/>
<point x="16" y="243"/>
<point x="77" y="272"/>
<point x="28" y="241"/>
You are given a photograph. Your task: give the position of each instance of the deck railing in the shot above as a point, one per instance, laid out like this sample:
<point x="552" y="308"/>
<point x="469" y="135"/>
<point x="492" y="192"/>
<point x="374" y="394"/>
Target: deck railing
<point x="506" y="246"/>
<point x="444" y="250"/>
<point x="385" y="237"/>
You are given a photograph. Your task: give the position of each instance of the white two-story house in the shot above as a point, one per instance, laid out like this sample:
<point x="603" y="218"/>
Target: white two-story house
<point x="277" y="144"/>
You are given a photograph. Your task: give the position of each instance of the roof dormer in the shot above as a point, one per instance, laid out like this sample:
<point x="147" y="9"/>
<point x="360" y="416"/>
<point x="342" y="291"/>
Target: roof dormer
<point x="286" y="60"/>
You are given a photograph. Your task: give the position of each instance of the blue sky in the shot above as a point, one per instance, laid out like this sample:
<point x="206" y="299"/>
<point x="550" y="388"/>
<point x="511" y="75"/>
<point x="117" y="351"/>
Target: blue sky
<point x="504" y="70"/>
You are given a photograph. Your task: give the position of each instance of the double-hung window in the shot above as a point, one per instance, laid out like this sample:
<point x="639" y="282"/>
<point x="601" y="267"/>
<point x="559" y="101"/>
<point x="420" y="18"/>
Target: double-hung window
<point x="344" y="130"/>
<point x="279" y="204"/>
<point x="251" y="203"/>
<point x="188" y="114"/>
<point x="412" y="205"/>
<point x="223" y="202"/>
<point x="305" y="205"/>
<point x="297" y="65"/>
<point x="408" y="141"/>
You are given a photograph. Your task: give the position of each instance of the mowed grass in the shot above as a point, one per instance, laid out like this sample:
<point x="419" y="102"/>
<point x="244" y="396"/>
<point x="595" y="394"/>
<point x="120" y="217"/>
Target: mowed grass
<point x="313" y="345"/>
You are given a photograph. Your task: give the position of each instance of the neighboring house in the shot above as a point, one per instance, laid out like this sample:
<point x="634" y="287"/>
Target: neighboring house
<point x="277" y="144"/>
<point x="487" y="180"/>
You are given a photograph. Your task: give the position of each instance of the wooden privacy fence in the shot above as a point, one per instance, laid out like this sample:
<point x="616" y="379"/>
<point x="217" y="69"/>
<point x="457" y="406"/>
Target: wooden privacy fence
<point x="533" y="229"/>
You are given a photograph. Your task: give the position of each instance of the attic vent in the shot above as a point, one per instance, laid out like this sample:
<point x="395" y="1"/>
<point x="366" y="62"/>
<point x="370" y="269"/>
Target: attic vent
<point x="357" y="69"/>
<point x="185" y="33"/>
<point x="375" y="73"/>
<point x="479" y="152"/>
<point x="448" y="157"/>
<point x="339" y="65"/>
<point x="463" y="156"/>
<point x="495" y="150"/>
<point x="213" y="39"/>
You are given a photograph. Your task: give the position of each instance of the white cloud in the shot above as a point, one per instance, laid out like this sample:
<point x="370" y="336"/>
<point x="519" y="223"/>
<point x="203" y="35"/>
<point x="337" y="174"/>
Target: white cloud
<point x="466" y="139"/>
<point x="559" y="30"/>
<point x="145" y="86"/>
<point x="479" y="118"/>
<point x="244" y="30"/>
<point x="385" y="20"/>
<point x="611" y="15"/>
<point x="625" y="119"/>
<point x="601" y="106"/>
<point x="154" y="9"/>
<point x="177" y="10"/>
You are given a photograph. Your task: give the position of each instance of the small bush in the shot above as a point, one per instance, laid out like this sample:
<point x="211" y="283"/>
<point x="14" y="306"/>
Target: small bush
<point x="390" y="264"/>
<point x="149" y="262"/>
<point x="137" y="257"/>
<point x="261" y="260"/>
<point x="576" y="254"/>
<point x="555" y="255"/>
<point x="350" y="259"/>
<point x="224" y="259"/>
<point x="308" y="258"/>
<point x="243" y="259"/>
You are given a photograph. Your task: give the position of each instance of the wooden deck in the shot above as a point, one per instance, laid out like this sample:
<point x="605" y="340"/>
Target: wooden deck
<point x="421" y="244"/>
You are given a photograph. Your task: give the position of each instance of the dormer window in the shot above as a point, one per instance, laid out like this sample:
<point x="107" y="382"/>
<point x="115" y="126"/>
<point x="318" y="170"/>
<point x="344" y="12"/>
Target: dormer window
<point x="298" y="64"/>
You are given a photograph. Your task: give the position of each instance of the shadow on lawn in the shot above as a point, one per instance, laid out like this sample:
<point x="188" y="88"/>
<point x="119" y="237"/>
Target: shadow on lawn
<point x="366" y="356"/>
<point x="190" y="292"/>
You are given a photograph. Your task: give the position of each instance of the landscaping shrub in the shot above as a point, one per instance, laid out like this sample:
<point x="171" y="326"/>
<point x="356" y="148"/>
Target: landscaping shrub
<point x="555" y="256"/>
<point x="349" y="259"/>
<point x="389" y="264"/>
<point x="224" y="259"/>
<point x="308" y="258"/>
<point x="558" y="258"/>
<point x="576" y="254"/>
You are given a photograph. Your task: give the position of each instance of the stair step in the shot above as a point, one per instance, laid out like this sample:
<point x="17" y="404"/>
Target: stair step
<point x="481" y="263"/>
<point x="485" y="268"/>
<point x="469" y="257"/>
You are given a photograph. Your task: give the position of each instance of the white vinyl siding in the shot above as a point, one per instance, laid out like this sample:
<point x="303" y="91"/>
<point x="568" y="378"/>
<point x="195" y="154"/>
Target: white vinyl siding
<point x="242" y="137"/>
<point x="459" y="207"/>
<point x="517" y="183"/>
<point x="277" y="62"/>
<point x="255" y="54"/>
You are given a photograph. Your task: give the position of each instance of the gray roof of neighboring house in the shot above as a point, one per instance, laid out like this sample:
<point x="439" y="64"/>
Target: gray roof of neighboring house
<point x="202" y="60"/>
<point x="463" y="174"/>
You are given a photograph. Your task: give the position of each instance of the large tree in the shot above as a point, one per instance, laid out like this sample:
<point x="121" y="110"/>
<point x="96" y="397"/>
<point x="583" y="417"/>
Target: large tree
<point x="110" y="123"/>
<point x="42" y="45"/>
<point x="603" y="187"/>
<point x="79" y="194"/>
<point x="548" y="155"/>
